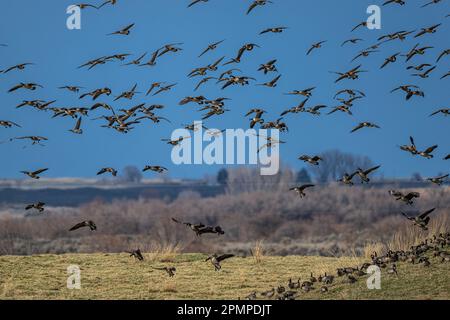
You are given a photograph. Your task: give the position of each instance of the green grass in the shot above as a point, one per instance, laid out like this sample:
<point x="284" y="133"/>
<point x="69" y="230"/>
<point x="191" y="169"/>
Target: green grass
<point x="117" y="276"/>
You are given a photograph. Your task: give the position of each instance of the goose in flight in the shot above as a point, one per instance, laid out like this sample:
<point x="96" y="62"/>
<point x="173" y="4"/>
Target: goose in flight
<point x="427" y="152"/>
<point x="347" y="178"/>
<point x="364" y="125"/>
<point x="301" y="189"/>
<point x="317" y="45"/>
<point x="364" y="174"/>
<point x="18" y="67"/>
<point x="311" y="160"/>
<point x="306" y="92"/>
<point x="273" y="30"/>
<point x="169" y="270"/>
<point x="200" y="228"/>
<point x="352" y="74"/>
<point x="8" y="124"/>
<point x="430" y="3"/>
<point x="195" y="2"/>
<point x="77" y="129"/>
<point x="399" y="2"/>
<point x="124" y="31"/>
<point x="35" y="139"/>
<point x="257" y="3"/>
<point x="242" y="50"/>
<point x="390" y="59"/>
<point x="296" y="109"/>
<point x="431" y="29"/>
<point x="137" y="254"/>
<point x="34" y="174"/>
<point x="443" y="54"/>
<point x="175" y="142"/>
<point x="272" y="83"/>
<point x="39" y="206"/>
<point x="136" y="61"/>
<point x="158" y="169"/>
<point x="216" y="259"/>
<point x="268" y="67"/>
<point x="127" y="94"/>
<point x="28" y="86"/>
<point x="109" y="170"/>
<point x="408" y="198"/>
<point x="152" y="61"/>
<point x="419" y="67"/>
<point x="425" y="74"/>
<point x="211" y="47"/>
<point x="172" y="47"/>
<point x="74" y="89"/>
<point x="417" y="51"/>
<point x="83" y="6"/>
<point x="352" y="41"/>
<point x="97" y="93"/>
<point x="438" y="180"/>
<point x="257" y="118"/>
<point x="420" y="220"/>
<point x="88" y="223"/>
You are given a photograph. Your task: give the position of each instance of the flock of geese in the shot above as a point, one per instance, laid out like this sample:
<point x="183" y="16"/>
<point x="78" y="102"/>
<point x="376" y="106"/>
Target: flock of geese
<point x="125" y="120"/>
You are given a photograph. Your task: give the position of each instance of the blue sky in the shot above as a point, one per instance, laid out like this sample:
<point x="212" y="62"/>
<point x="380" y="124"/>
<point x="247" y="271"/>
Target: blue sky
<point x="35" y="31"/>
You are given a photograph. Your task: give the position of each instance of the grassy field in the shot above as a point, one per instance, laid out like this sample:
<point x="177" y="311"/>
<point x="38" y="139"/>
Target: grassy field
<point x="117" y="276"/>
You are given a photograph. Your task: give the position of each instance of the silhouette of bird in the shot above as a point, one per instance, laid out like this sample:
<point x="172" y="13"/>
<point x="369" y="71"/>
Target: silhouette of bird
<point x="364" y="125"/>
<point x="216" y="259"/>
<point x="158" y="169"/>
<point x="408" y="198"/>
<point x="300" y="189"/>
<point x="87" y="223"/>
<point x="420" y="220"/>
<point x="34" y="174"/>
<point x="109" y="169"/>
<point x="124" y="31"/>
<point x="38" y="206"/>
<point x="364" y="174"/>
<point x="438" y="180"/>
<point x="257" y="3"/>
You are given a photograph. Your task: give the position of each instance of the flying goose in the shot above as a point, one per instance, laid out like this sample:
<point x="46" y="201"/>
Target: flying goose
<point x="425" y="74"/>
<point x="353" y="41"/>
<point x="419" y="67"/>
<point x="28" y="86"/>
<point x="235" y="80"/>
<point x="125" y="31"/>
<point x="175" y="142"/>
<point x="77" y="129"/>
<point x="8" y="124"/>
<point x="137" y="254"/>
<point x="34" y="174"/>
<point x="38" y="206"/>
<point x="165" y="88"/>
<point x="272" y="83"/>
<point x="273" y="30"/>
<point x="216" y="259"/>
<point x="408" y="198"/>
<point x="347" y="178"/>
<point x="257" y="3"/>
<point x="97" y="93"/>
<point x="438" y="180"/>
<point x="314" y="110"/>
<point x="169" y="48"/>
<point x="445" y="75"/>
<point x="204" y="80"/>
<point x="18" y="67"/>
<point x="111" y="2"/>
<point x="444" y="111"/>
<point x="296" y="109"/>
<point x="447" y="157"/>
<point x="152" y="61"/>
<point x="198" y="99"/>
<point x="364" y="174"/>
<point x="364" y="125"/>
<point x="431" y="29"/>
<point x="93" y="63"/>
<point x="317" y="45"/>
<point x="158" y="169"/>
<point x="127" y="94"/>
<point x="410" y="148"/>
<point x="420" y="220"/>
<point x="416" y="51"/>
<point x="390" y="59"/>
<point x="306" y="92"/>
<point x="300" y="189"/>
<point x="430" y="3"/>
<point x="399" y="2"/>
<point x="311" y="160"/>
<point x="268" y="67"/>
<point x="362" y="24"/>
<point x="350" y="92"/>
<point x="352" y="74"/>
<point x="85" y="5"/>
<point x="75" y="89"/>
<point x="169" y="270"/>
<point x="136" y="61"/>
<point x="88" y="223"/>
<point x="444" y="53"/>
<point x="200" y="228"/>
<point x="34" y="139"/>
<point x="364" y="53"/>
<point x="211" y="47"/>
<point x="109" y="169"/>
<point x="257" y="118"/>
<point x="427" y="152"/>
<point x="242" y="50"/>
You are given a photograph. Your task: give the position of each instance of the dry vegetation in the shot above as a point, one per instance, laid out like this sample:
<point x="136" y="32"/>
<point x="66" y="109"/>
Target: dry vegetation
<point x="332" y="220"/>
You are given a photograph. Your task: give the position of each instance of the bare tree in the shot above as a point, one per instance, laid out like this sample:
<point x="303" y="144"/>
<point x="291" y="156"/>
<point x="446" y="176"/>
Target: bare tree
<point x="131" y="174"/>
<point x="335" y="163"/>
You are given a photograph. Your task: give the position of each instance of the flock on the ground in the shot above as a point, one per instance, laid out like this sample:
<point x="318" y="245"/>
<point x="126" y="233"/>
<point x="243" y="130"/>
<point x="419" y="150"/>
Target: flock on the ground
<point x="125" y="120"/>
